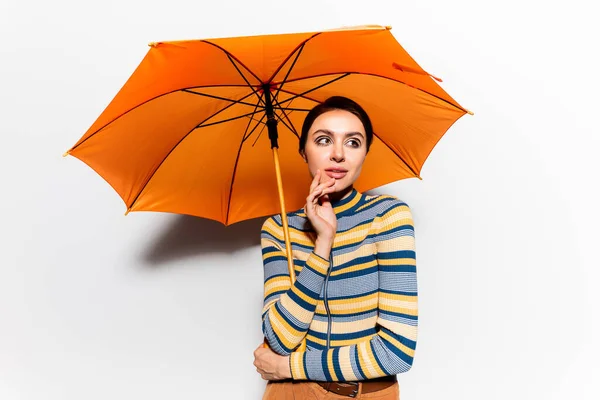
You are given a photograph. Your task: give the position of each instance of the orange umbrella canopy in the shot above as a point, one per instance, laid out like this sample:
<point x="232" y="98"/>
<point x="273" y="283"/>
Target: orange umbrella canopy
<point x="187" y="132"/>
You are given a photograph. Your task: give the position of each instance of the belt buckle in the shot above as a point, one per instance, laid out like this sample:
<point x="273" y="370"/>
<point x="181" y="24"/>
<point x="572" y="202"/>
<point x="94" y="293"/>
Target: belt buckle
<point x="355" y="391"/>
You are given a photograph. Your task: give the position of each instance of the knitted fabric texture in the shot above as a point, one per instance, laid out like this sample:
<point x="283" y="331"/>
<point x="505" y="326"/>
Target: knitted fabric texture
<point x="359" y="315"/>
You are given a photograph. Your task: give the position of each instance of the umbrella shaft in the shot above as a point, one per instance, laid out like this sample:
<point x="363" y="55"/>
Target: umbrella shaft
<point x="271" y="121"/>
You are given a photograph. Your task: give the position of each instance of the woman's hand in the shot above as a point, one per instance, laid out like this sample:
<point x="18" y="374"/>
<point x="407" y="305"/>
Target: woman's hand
<point x="270" y="365"/>
<point x="318" y="207"/>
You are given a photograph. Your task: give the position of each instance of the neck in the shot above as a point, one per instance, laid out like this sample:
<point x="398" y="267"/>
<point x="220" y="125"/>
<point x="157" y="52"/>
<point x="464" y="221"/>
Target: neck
<point x="337" y="196"/>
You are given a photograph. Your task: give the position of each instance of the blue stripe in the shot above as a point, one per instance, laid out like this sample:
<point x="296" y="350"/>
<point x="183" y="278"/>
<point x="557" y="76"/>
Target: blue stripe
<point x="277" y="220"/>
<point x="314" y="270"/>
<point x="314" y="345"/>
<point x="385" y="371"/>
<point x="376" y="202"/>
<point x="397" y="229"/>
<point x="399" y="353"/>
<point x="394" y="230"/>
<point x="344" y="336"/>
<point x="396" y="204"/>
<point x="275" y="257"/>
<point x="274" y="295"/>
<point x="357" y="360"/>
<point x="276" y="276"/>
<point x="270" y="334"/>
<point x="286" y="319"/>
<point x="355" y="274"/>
<point x="355" y="261"/>
<point x="355" y="314"/>
<point x="295" y="245"/>
<point x="397" y="254"/>
<point x="398" y="268"/>
<point x="305" y="290"/>
<point x="324" y="365"/>
<point x="300" y="301"/>
<point x="336" y="364"/>
<point x="411" y="344"/>
<point x="395" y="314"/>
<point x="304" y="365"/>
<point x="397" y="292"/>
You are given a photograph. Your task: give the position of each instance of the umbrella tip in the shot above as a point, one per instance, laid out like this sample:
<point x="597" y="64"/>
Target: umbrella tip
<point x="388" y="27"/>
<point x="153" y="44"/>
<point x="66" y="153"/>
<point x="127" y="212"/>
<point x="470" y="112"/>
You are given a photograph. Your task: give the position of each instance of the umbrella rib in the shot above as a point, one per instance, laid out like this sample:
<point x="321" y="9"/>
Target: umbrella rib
<point x="249" y="123"/>
<point x="175" y="146"/>
<point x="290" y="55"/>
<point x="291" y="108"/>
<point x="288" y="72"/>
<point x="145" y="102"/>
<point x="246" y="137"/>
<point x="304" y="97"/>
<point x="218" y="97"/>
<point x="244" y="77"/>
<point x="237" y="158"/>
<point x="399" y="156"/>
<point x="382" y="77"/>
<point x="315" y="88"/>
<point x="259" y="133"/>
<point x="291" y="127"/>
<point x="230" y="56"/>
<point x="293" y="130"/>
<point x="225" y="120"/>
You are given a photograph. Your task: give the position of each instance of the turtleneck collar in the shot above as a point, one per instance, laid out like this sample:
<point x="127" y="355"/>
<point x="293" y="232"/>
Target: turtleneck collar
<point x="348" y="204"/>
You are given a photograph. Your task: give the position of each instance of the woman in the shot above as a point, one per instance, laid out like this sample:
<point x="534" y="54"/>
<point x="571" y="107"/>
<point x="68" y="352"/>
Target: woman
<point x="348" y="325"/>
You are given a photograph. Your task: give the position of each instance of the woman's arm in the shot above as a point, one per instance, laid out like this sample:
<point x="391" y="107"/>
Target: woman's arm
<point x="391" y="350"/>
<point x="288" y="310"/>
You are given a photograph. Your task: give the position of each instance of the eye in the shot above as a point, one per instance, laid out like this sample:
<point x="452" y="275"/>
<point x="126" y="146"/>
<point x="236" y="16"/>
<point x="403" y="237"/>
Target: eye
<point x="323" y="140"/>
<point x="354" y="142"/>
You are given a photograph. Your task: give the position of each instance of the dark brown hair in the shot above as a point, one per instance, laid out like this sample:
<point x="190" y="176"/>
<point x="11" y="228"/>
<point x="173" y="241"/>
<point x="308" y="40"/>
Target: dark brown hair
<point x="336" y="103"/>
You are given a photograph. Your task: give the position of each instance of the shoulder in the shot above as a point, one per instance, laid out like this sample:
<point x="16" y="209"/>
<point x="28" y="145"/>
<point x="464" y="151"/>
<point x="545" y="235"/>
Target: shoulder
<point x="385" y="204"/>
<point x="271" y="224"/>
<point x="274" y="221"/>
<point x="273" y="227"/>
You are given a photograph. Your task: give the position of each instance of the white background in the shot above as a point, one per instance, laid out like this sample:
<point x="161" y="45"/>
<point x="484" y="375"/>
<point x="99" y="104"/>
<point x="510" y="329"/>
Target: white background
<point x="96" y="305"/>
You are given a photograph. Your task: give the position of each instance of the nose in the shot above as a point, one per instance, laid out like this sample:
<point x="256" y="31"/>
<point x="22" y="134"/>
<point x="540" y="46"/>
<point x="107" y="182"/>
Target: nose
<point x="337" y="152"/>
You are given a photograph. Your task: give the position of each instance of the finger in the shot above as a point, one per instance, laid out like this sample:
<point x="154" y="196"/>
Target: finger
<point x="324" y="200"/>
<point x="315" y="181"/>
<point x="320" y="194"/>
<point x="311" y="199"/>
<point x="326" y="184"/>
<point x="327" y="190"/>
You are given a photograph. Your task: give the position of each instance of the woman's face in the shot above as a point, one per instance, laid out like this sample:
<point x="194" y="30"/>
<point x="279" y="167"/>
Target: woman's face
<point x="337" y="145"/>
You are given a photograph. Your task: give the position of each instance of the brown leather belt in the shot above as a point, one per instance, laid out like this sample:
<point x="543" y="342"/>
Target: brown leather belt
<point x="350" y="389"/>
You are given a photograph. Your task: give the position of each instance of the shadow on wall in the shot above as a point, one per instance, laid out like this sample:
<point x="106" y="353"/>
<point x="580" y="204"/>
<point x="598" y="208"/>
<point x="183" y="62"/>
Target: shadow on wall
<point x="189" y="236"/>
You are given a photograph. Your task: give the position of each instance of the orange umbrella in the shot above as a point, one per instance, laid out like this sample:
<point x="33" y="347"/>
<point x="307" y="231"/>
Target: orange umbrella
<point x="185" y="133"/>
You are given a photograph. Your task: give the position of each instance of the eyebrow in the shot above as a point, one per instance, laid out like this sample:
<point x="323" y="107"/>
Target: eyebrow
<point x="348" y="134"/>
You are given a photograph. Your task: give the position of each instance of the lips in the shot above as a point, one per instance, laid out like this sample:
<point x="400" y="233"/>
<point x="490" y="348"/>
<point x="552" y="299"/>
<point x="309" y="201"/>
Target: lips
<point x="337" y="173"/>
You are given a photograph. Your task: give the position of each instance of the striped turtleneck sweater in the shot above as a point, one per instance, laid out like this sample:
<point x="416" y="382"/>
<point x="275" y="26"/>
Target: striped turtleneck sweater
<point x="357" y="310"/>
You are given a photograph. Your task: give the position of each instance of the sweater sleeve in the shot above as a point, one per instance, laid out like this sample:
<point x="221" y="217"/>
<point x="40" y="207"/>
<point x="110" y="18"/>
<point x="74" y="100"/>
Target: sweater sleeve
<point x="391" y="350"/>
<point x="288" y="310"/>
